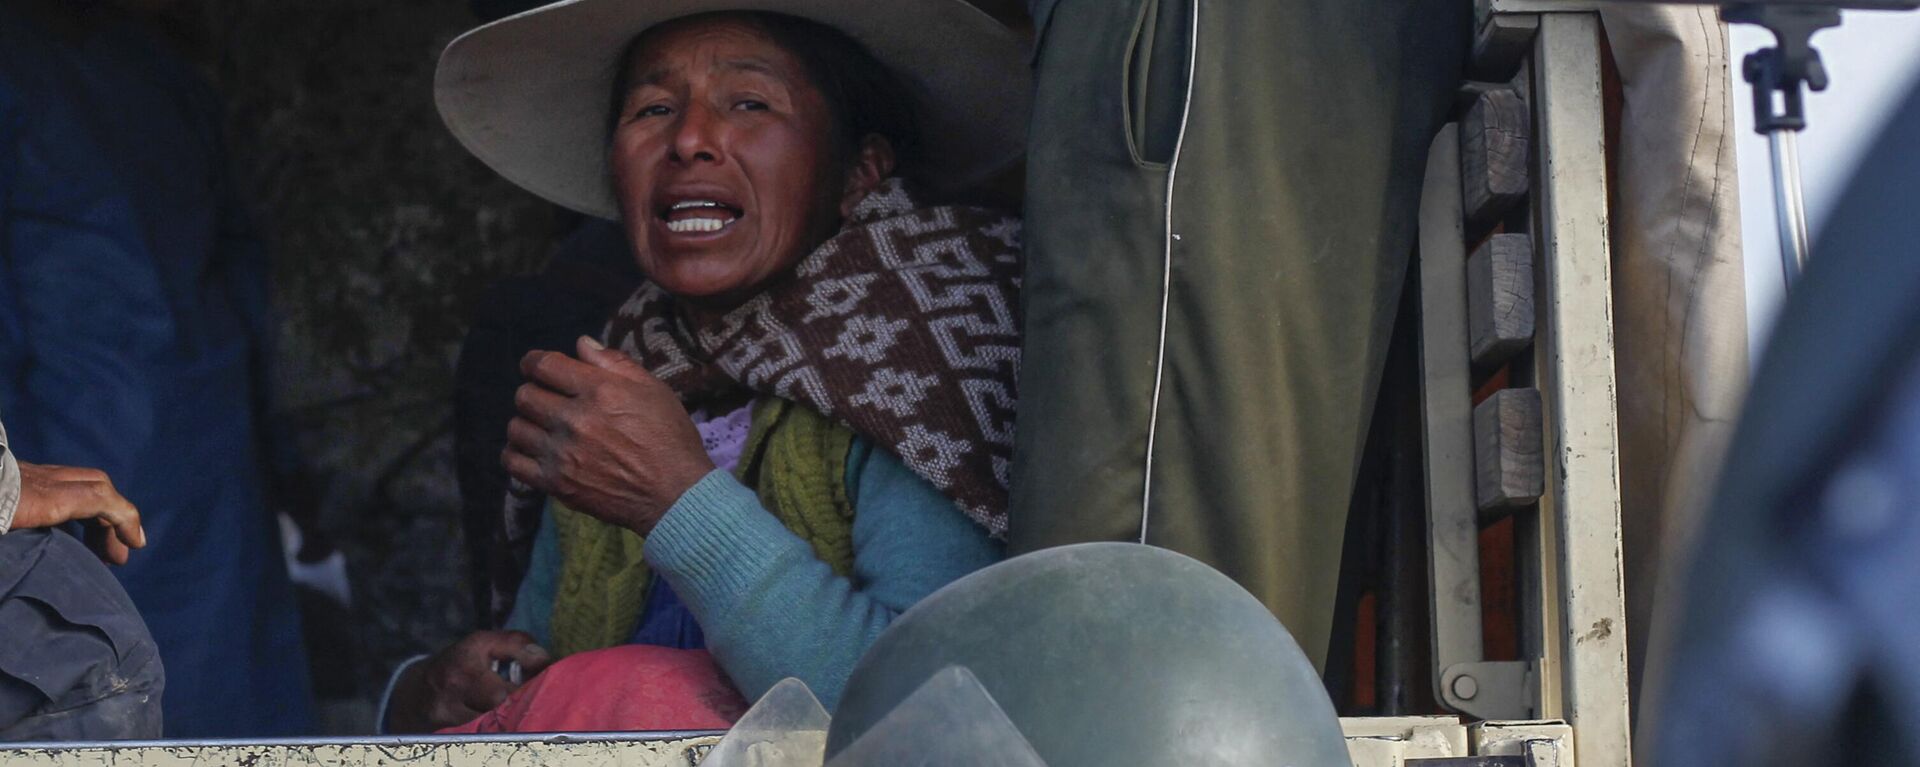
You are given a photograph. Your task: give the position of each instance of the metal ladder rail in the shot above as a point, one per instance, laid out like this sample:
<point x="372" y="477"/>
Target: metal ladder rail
<point x="1559" y="437"/>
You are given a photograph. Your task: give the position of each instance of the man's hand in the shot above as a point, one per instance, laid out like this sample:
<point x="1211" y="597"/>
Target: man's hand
<point x="459" y="683"/>
<point x="603" y="436"/>
<point x="56" y="495"/>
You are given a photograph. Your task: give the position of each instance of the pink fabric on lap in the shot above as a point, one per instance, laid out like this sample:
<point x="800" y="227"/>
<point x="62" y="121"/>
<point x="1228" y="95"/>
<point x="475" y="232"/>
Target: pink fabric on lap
<point x="631" y="688"/>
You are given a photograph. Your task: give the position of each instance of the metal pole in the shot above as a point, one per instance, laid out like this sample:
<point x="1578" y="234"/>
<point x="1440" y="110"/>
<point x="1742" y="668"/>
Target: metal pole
<point x="1780" y="77"/>
<point x="1790" y="207"/>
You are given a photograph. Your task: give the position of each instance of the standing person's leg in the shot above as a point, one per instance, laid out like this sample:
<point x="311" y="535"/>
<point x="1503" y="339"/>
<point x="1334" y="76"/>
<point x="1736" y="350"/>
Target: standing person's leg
<point x="76" y="662"/>
<point x="1212" y="269"/>
<point x="1095" y="237"/>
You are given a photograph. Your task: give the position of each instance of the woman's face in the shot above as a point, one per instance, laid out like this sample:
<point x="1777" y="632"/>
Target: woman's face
<point x="723" y="160"/>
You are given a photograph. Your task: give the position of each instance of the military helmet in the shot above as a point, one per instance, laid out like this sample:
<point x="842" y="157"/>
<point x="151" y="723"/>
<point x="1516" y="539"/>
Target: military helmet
<point x="1108" y="654"/>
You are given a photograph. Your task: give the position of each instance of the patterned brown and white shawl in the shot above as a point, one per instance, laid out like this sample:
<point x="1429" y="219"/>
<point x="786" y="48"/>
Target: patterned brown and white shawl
<point x="904" y="327"/>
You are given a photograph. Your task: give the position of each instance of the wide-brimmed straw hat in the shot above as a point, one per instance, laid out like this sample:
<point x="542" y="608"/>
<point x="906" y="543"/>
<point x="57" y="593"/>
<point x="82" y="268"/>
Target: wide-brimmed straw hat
<point x="530" y="94"/>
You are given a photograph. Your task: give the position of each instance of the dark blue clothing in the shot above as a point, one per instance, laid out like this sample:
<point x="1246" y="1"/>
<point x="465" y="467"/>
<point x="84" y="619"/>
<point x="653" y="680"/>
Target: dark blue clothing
<point x="666" y="621"/>
<point x="133" y="318"/>
<point x="75" y="661"/>
<point x="1793" y="642"/>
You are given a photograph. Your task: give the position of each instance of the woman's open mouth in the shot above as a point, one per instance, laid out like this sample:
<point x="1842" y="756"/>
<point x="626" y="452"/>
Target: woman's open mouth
<point x="699" y="216"/>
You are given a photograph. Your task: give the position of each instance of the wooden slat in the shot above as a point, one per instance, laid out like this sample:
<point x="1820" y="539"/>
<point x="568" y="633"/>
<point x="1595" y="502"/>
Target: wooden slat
<point x="1509" y="469"/>
<point x="1494" y="138"/>
<point x="1500" y="298"/>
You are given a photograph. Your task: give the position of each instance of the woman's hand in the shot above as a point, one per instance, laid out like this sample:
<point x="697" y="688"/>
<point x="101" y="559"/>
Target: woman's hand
<point x="603" y="436"/>
<point x="453" y="686"/>
<point x="55" y="495"/>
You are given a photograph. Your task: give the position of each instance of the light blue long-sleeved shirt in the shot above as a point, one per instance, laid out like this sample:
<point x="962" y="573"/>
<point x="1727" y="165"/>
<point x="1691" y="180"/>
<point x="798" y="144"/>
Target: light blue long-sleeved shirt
<point x="768" y="607"/>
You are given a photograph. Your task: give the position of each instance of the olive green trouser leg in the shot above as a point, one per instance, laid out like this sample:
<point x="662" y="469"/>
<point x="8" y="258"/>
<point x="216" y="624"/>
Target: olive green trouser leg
<point x="1211" y="280"/>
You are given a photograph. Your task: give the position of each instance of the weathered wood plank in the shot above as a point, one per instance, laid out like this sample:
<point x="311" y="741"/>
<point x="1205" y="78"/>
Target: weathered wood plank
<point x="1509" y="467"/>
<point x="1494" y="141"/>
<point x="1500" y="298"/>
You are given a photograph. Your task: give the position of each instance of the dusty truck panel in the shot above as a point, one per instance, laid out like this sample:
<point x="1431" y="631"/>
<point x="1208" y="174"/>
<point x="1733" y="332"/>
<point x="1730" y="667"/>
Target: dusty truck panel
<point x="1372" y="742"/>
<point x="678" y="750"/>
<point x="1390" y="741"/>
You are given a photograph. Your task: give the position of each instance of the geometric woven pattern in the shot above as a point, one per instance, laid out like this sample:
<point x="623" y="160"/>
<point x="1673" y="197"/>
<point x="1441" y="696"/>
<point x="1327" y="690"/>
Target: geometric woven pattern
<point x="904" y="327"/>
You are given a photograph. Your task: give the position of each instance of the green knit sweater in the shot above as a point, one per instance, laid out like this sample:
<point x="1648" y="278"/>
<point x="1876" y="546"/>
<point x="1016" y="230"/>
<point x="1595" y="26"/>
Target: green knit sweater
<point x="797" y="461"/>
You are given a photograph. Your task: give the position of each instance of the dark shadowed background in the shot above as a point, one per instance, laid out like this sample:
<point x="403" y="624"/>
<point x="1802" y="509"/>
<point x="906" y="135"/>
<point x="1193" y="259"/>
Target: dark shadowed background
<point x="383" y="233"/>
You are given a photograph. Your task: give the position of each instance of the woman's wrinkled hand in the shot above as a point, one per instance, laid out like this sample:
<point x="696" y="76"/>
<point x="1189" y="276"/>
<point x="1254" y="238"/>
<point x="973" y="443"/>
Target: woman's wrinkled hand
<point x="55" y="495"/>
<point x="603" y="436"/>
<point x="453" y="686"/>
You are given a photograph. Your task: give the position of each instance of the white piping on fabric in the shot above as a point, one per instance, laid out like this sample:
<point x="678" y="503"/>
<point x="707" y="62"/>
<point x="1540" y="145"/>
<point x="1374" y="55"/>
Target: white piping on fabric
<point x="1166" y="273"/>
